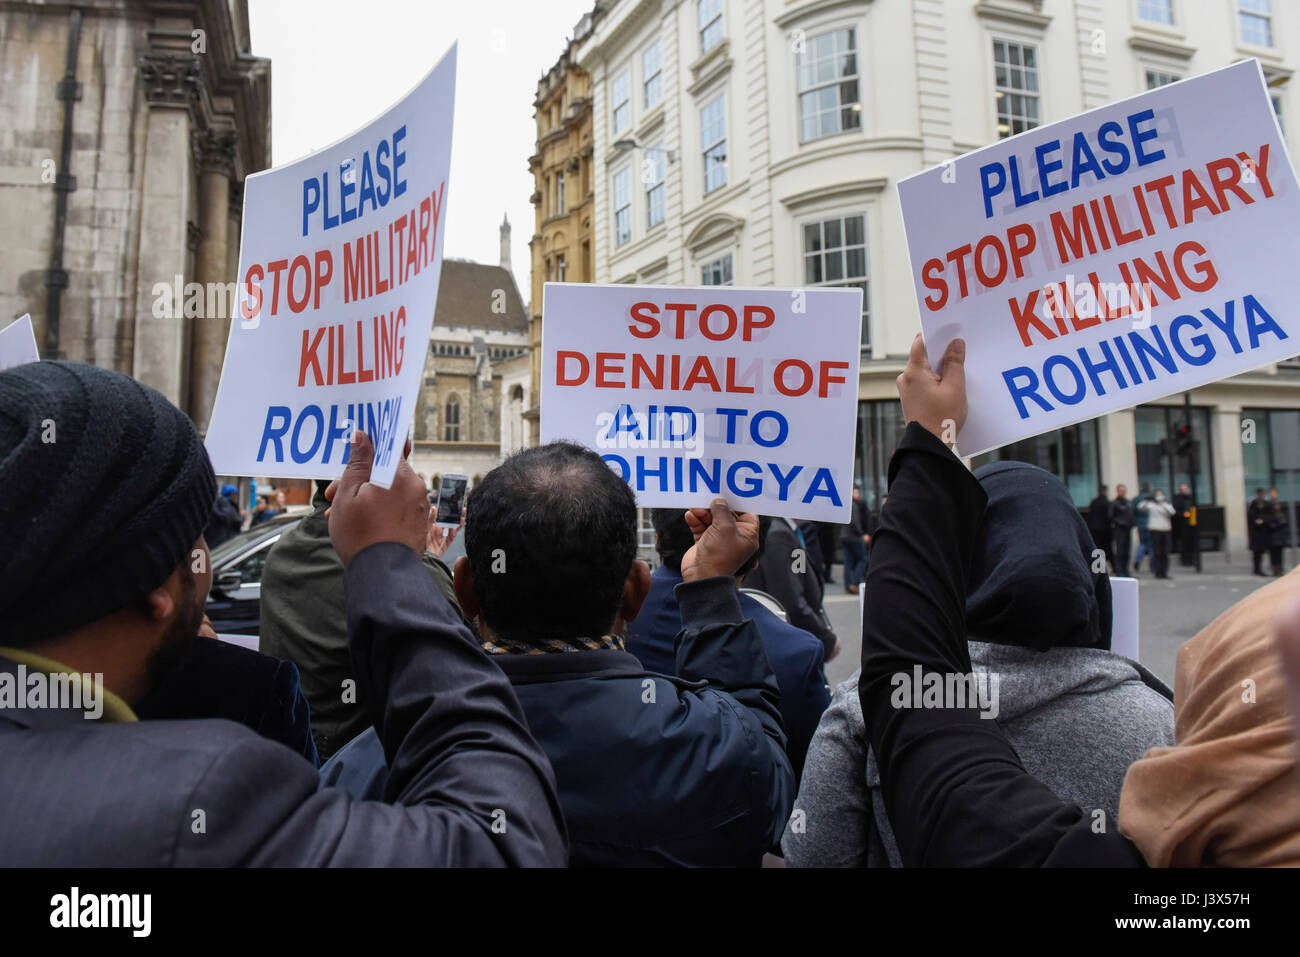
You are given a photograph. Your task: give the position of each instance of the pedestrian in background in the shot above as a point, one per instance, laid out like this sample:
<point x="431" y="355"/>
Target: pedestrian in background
<point x="854" y="539"/>
<point x="1160" y="514"/>
<point x="1277" y="532"/>
<point x="1121" y="530"/>
<point x="1184" y="531"/>
<point x="1258" y="515"/>
<point x="226" y="520"/>
<point x="1099" y="521"/>
<point x="1144" y="532"/>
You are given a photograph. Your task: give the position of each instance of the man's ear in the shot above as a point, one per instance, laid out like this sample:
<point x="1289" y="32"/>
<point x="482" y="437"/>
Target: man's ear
<point x="635" y="589"/>
<point x="160" y="604"/>
<point x="462" y="581"/>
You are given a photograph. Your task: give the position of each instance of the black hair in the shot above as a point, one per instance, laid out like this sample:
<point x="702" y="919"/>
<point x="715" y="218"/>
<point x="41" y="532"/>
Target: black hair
<point x="551" y="536"/>
<point x="673" y="538"/>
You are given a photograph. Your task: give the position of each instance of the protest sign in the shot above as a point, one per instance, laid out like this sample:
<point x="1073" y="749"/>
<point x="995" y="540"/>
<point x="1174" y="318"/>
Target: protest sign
<point x="18" y="343"/>
<point x="1124" y="628"/>
<point x="338" y="275"/>
<point x="690" y="393"/>
<point x="1128" y="253"/>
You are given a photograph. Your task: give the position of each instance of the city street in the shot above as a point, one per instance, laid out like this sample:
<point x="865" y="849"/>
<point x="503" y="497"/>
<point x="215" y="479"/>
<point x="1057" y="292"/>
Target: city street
<point x="1171" y="612"/>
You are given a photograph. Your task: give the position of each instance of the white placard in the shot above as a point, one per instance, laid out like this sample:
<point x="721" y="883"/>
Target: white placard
<point x="18" y="343"/>
<point x="1124" y="617"/>
<point x="1125" y="254"/>
<point x="694" y="392"/>
<point x="339" y="267"/>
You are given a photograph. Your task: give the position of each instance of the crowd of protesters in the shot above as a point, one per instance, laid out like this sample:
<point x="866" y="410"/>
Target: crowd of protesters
<point x="550" y="700"/>
<point x="1162" y="525"/>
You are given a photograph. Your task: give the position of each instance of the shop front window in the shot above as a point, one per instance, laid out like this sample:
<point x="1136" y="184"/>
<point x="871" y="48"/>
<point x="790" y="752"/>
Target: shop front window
<point x="1157" y="432"/>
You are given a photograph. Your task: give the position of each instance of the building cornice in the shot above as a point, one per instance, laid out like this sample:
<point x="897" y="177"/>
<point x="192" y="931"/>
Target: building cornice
<point x="857" y="187"/>
<point x="815" y="8"/>
<point x="1145" y="43"/>
<point x="987" y="10"/>
<point x="845" y="147"/>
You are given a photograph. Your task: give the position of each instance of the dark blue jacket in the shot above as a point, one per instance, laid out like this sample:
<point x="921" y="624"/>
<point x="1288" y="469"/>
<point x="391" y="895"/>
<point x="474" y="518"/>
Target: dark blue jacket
<point x="652" y="770"/>
<point x="794" y="654"/>
<point x="78" y="793"/>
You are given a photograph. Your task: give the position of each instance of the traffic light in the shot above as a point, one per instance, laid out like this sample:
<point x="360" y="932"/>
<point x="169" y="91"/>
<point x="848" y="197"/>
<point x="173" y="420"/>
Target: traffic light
<point x="1183" y="439"/>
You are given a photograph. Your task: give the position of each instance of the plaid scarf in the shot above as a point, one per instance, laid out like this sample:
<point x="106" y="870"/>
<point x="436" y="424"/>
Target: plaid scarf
<point x="504" y="646"/>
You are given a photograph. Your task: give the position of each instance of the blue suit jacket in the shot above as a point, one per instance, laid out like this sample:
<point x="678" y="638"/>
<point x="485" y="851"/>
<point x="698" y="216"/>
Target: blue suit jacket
<point x="794" y="654"/>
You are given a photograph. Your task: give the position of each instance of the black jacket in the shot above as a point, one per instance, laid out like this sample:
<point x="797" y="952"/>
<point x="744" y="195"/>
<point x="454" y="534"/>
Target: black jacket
<point x="1259" y="515"/>
<point x="78" y="793"/>
<point x="954" y="788"/>
<point x="1121" y="515"/>
<point x="653" y="770"/>
<point x="224" y="523"/>
<point x="799" y="592"/>
<point x="859" y="522"/>
<point x="1099" y="520"/>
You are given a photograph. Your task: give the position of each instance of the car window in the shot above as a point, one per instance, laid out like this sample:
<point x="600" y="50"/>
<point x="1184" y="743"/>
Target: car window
<point x="250" y="569"/>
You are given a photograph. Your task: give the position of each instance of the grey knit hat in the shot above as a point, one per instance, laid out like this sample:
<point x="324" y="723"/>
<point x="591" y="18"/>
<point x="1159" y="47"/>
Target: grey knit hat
<point x="105" y="486"/>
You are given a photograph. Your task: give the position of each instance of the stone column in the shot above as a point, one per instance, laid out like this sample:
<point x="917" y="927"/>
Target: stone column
<point x="215" y="152"/>
<point x="1229" y="463"/>
<point x="171" y="87"/>
<point x="1118" y="439"/>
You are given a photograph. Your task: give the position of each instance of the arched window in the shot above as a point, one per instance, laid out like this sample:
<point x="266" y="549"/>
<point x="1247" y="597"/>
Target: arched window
<point x="515" y="420"/>
<point x="451" y="419"/>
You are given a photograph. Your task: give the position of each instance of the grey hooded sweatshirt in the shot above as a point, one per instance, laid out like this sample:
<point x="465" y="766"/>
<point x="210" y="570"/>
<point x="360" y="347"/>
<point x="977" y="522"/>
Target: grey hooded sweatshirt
<point x="1078" y="717"/>
<point x="1038" y="621"/>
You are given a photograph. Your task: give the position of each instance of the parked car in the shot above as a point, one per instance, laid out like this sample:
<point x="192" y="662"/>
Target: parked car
<point x="235" y="601"/>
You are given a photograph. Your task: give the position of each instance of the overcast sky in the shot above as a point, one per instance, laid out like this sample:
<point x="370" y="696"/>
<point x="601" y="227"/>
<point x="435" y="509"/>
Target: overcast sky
<point x="337" y="64"/>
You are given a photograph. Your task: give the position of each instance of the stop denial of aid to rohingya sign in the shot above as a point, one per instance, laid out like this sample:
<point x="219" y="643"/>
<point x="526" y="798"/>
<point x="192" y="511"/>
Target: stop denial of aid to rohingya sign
<point x="338" y="275"/>
<point x="691" y="393"/>
<point x="1128" y="253"/>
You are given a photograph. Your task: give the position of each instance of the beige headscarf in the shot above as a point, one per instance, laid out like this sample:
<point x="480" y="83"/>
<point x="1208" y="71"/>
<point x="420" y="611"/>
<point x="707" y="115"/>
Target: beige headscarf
<point x="1228" y="793"/>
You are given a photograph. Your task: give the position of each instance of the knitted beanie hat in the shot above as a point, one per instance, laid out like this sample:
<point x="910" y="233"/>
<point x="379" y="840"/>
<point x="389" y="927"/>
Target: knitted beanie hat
<point x="105" y="486"/>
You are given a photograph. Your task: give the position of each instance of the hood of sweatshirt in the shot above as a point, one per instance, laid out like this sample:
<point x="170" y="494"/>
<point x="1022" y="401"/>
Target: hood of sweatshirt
<point x="1032" y="582"/>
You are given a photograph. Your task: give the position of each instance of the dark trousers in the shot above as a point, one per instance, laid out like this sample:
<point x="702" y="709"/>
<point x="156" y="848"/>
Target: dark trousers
<point x="855" y="562"/>
<point x="1121" y="547"/>
<point x="1275" y="559"/>
<point x="1160" y="553"/>
<point x="1258" y="555"/>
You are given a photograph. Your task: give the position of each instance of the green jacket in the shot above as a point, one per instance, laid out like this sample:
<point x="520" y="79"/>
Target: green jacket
<point x="305" y="620"/>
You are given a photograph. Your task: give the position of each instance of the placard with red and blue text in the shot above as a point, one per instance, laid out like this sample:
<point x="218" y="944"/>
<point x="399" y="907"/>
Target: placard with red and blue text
<point x="338" y="276"/>
<point x="18" y="343"/>
<point x="691" y="393"/>
<point x="1130" y="252"/>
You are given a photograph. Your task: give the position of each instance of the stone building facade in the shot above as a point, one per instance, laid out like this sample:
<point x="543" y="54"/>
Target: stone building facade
<point x="476" y="387"/>
<point x="760" y="143"/>
<point x="564" y="178"/>
<point x="127" y="128"/>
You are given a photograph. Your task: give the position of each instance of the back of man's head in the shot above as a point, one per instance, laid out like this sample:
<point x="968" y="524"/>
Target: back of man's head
<point x="673" y="538"/>
<point x="551" y="535"/>
<point x="106" y="489"/>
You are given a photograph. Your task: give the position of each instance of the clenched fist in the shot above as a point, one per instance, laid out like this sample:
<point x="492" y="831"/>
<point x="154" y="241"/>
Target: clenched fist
<point x="724" y="540"/>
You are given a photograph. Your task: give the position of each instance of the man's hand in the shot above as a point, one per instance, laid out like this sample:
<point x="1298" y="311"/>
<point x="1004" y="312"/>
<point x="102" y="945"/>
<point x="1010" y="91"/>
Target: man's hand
<point x="361" y="514"/>
<point x="935" y="399"/>
<point x="724" y="540"/>
<point x="440" y="539"/>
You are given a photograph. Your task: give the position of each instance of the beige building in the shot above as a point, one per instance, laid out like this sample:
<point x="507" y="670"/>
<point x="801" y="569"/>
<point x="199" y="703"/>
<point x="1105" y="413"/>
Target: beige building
<point x="126" y="131"/>
<point x="760" y="143"/>
<point x="564" y="175"/>
<point x="477" y="387"/>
